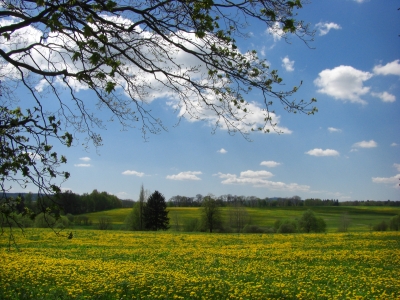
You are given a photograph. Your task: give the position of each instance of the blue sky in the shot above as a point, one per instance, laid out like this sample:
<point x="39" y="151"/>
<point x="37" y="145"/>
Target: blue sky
<point x="349" y="150"/>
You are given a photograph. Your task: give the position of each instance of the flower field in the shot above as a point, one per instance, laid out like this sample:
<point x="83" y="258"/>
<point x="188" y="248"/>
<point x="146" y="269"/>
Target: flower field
<point x="126" y="265"/>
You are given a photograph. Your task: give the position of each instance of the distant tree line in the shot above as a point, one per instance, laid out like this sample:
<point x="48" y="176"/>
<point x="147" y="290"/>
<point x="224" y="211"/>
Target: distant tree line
<point x="370" y="203"/>
<point x="69" y="202"/>
<point x="252" y="201"/>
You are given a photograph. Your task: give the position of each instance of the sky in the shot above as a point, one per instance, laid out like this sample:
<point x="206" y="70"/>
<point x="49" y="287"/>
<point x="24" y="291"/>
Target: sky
<point x="349" y="150"/>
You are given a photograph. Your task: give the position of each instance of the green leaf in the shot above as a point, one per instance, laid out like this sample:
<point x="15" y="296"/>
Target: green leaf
<point x="110" y="87"/>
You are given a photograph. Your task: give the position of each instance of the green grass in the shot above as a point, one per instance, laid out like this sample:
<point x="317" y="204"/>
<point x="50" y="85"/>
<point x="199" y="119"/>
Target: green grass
<point x="362" y="217"/>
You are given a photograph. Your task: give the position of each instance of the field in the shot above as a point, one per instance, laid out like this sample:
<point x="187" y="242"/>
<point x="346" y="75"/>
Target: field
<point x="166" y="265"/>
<point x="362" y="217"/>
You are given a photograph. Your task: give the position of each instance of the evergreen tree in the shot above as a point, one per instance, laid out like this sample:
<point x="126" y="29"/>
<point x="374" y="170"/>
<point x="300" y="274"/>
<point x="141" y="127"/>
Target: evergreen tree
<point x="155" y="213"/>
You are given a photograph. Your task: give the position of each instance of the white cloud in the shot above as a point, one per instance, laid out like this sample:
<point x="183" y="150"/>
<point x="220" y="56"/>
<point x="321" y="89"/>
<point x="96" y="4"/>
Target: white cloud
<point x="343" y="83"/>
<point x="82" y="165"/>
<point x="143" y="85"/>
<point x="393" y="144"/>
<point x="263" y="51"/>
<point x="397" y="166"/>
<point x="388" y="180"/>
<point x="360" y="1"/>
<point x="134" y="173"/>
<point x="260" y="179"/>
<point x="385" y="96"/>
<point x="392" y="68"/>
<point x="270" y="163"/>
<point x="85" y="158"/>
<point x="321" y="152"/>
<point x="122" y="195"/>
<point x="288" y="64"/>
<point x="366" y="144"/>
<point x="333" y="129"/>
<point x="222" y="151"/>
<point x="253" y="120"/>
<point x="189" y="175"/>
<point x="324" y="28"/>
<point x="34" y="156"/>
<point x="276" y="31"/>
<point x="256" y="174"/>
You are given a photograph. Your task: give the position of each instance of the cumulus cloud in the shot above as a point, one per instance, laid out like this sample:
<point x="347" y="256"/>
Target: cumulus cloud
<point x="132" y="172"/>
<point x="385" y="96"/>
<point x="393" y="144"/>
<point x="222" y="151"/>
<point x="397" y="166"/>
<point x="288" y="64"/>
<point x="256" y="174"/>
<point x="333" y="129"/>
<point x="270" y="163"/>
<point x="260" y="179"/>
<point x="394" y="180"/>
<point x="122" y="195"/>
<point x="325" y="27"/>
<point x="343" y="83"/>
<point x="85" y="158"/>
<point x="34" y="156"/>
<point x="189" y="175"/>
<point x="276" y="31"/>
<point x="392" y="68"/>
<point x="82" y="165"/>
<point x="321" y="152"/>
<point x="252" y="120"/>
<point x="148" y="87"/>
<point x="365" y="144"/>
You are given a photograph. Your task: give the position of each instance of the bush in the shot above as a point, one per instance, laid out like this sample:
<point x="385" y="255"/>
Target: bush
<point x="277" y="224"/>
<point x="191" y="225"/>
<point x="47" y="220"/>
<point x="70" y="217"/>
<point x="16" y="220"/>
<point x="104" y="223"/>
<point x="62" y="223"/>
<point x="287" y="227"/>
<point x="394" y="223"/>
<point x="227" y="229"/>
<point x="382" y="226"/>
<point x="82" y="220"/>
<point x="252" y="229"/>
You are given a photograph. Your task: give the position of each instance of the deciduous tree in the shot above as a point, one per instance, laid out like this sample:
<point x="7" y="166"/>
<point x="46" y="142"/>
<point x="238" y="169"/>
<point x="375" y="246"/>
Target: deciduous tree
<point x="135" y="219"/>
<point x="211" y="214"/>
<point x="310" y="223"/>
<point x="128" y="53"/>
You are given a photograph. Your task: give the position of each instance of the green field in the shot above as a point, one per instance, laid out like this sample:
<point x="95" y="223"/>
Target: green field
<point x="107" y="265"/>
<point x="362" y="217"/>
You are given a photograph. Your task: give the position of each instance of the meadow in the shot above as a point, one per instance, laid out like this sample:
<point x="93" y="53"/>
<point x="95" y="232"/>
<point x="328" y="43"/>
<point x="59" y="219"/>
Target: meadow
<point x="167" y="265"/>
<point x="362" y="217"/>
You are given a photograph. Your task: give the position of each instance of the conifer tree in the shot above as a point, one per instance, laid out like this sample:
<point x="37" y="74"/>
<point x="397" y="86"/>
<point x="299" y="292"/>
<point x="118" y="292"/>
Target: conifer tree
<point x="155" y="213"/>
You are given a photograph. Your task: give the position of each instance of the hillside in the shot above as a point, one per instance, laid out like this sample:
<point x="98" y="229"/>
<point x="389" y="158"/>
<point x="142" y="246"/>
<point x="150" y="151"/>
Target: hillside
<point x="362" y="218"/>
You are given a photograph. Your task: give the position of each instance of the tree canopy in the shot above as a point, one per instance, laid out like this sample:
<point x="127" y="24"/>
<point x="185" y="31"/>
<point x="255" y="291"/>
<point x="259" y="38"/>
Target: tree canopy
<point x="155" y="214"/>
<point x="211" y="214"/>
<point x="128" y="53"/>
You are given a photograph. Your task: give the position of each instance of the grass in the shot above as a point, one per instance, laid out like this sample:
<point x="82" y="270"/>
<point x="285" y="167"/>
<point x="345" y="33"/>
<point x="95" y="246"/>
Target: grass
<point x="107" y="265"/>
<point x="362" y="217"/>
